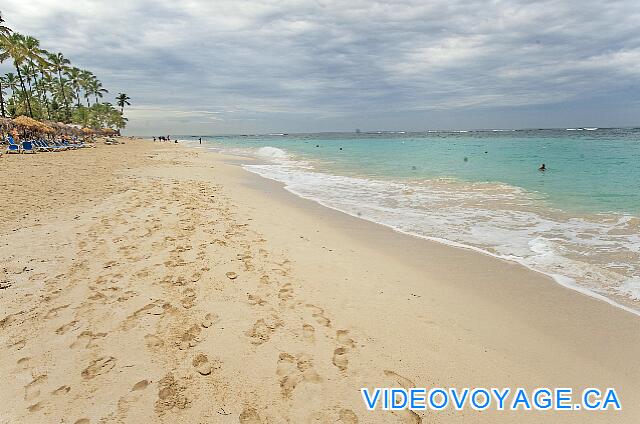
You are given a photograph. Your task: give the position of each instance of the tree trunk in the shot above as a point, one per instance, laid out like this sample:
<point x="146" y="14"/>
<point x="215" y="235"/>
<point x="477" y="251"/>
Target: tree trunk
<point x="64" y="96"/>
<point x="1" y="101"/>
<point x="43" y="95"/>
<point x="38" y="88"/>
<point x="24" y="90"/>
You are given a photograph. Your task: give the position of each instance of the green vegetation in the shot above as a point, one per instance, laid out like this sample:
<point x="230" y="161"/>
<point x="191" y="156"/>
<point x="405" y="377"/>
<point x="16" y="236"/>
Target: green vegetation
<point x="46" y="86"/>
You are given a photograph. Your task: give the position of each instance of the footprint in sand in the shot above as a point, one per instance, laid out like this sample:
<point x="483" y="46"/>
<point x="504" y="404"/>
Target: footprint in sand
<point x="61" y="390"/>
<point x="32" y="390"/>
<point x="65" y="328"/>
<point x="140" y="385"/>
<point x="190" y="338"/>
<point x="153" y="341"/>
<point x="287" y="371"/>
<point x="98" y="367"/>
<point x="407" y="416"/>
<point x="82" y="421"/>
<point x="249" y="416"/>
<point x="305" y="366"/>
<point x="285" y="293"/>
<point x="293" y="370"/>
<point x="189" y="299"/>
<point x="263" y="328"/>
<point x="318" y="314"/>
<point x="402" y="381"/>
<point x="347" y="416"/>
<point x="342" y="336"/>
<point x="308" y="332"/>
<point x="86" y="338"/>
<point x="209" y="319"/>
<point x="202" y="364"/>
<point x="53" y="312"/>
<point x="35" y="407"/>
<point x="255" y="300"/>
<point x="340" y="359"/>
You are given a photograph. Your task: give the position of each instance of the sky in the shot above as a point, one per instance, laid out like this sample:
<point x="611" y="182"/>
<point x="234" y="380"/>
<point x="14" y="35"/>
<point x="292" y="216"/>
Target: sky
<point x="231" y="66"/>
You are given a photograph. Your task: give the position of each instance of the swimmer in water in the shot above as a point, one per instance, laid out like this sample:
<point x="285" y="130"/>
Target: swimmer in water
<point x="542" y="168"/>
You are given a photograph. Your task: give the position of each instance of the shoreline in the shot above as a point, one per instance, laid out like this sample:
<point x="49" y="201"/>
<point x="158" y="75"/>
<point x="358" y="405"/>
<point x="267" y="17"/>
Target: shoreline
<point x="561" y="280"/>
<point x="319" y="304"/>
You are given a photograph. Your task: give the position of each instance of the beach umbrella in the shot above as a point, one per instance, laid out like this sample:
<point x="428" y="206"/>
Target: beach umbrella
<point x="108" y="131"/>
<point x="32" y="126"/>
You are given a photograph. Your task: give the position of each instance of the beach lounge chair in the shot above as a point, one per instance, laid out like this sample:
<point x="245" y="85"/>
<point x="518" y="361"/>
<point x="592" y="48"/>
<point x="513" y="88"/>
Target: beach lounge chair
<point x="27" y="147"/>
<point x="51" y="148"/>
<point x="41" y="146"/>
<point x="58" y="145"/>
<point x="12" y="147"/>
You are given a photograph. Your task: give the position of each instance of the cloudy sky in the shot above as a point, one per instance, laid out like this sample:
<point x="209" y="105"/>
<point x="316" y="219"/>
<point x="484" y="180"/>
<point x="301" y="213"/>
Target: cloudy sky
<point x="232" y="66"/>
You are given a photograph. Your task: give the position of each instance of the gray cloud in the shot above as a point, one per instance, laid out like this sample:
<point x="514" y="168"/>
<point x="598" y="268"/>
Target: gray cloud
<point x="250" y="66"/>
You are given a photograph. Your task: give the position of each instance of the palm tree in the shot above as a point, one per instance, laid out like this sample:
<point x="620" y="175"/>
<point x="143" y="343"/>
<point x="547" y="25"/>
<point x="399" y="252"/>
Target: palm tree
<point x="47" y="84"/>
<point x="61" y="93"/>
<point x="26" y="74"/>
<point x="4" y="30"/>
<point x="11" y="81"/>
<point x="43" y="68"/>
<point x="12" y="46"/>
<point x="95" y="89"/>
<point x="59" y="65"/>
<point x="35" y="57"/>
<point x="75" y="79"/>
<point x="86" y="79"/>
<point x="123" y="100"/>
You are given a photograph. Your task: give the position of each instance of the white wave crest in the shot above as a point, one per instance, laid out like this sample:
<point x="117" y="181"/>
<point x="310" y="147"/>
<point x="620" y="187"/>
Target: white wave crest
<point x="272" y="153"/>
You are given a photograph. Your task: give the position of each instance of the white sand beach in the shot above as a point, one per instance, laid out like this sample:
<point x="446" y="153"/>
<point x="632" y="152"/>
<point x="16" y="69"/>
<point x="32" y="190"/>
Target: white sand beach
<point x="149" y="282"/>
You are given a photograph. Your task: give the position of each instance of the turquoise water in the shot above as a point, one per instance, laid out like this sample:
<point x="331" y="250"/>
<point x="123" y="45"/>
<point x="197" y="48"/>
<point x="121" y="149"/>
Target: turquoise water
<point x="596" y="171"/>
<point x="578" y="222"/>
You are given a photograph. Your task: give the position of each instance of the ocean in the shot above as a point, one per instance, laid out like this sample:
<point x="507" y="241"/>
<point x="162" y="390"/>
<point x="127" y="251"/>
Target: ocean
<point x="578" y="221"/>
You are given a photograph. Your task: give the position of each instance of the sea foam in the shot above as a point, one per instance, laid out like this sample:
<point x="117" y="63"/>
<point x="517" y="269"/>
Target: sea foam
<point x="583" y="253"/>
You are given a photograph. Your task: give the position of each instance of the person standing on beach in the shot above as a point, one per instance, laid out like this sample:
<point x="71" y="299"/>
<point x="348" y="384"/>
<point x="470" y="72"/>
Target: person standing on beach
<point x="200" y="140"/>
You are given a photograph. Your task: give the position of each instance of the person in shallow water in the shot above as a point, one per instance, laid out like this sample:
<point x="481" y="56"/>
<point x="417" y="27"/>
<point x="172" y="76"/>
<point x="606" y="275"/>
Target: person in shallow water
<point x="542" y="168"/>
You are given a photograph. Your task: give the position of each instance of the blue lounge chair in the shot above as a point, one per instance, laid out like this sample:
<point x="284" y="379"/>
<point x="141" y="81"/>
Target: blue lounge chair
<point x="27" y="147"/>
<point x="40" y="146"/>
<point x="52" y="147"/>
<point x="12" y="147"/>
<point x="58" y="145"/>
